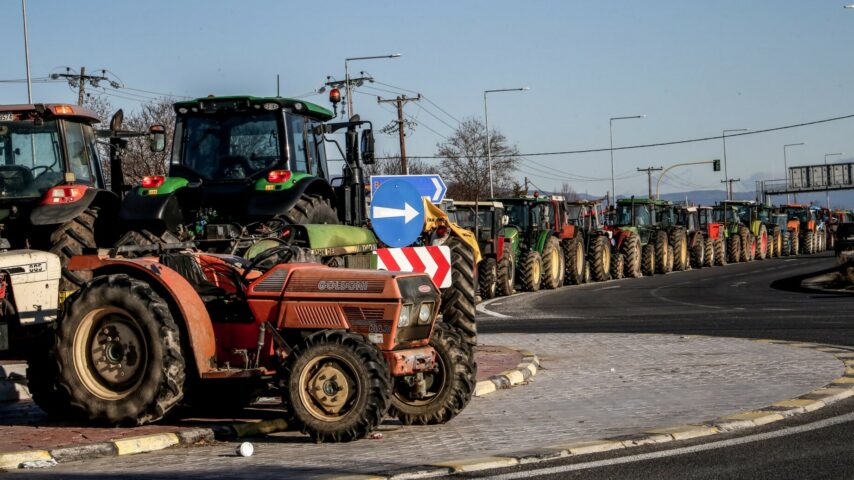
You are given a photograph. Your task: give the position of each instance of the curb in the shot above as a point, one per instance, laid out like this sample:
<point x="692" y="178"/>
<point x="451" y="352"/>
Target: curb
<point x="150" y="443"/>
<point x="134" y="445"/>
<point x="838" y="389"/>
<point x="522" y="373"/>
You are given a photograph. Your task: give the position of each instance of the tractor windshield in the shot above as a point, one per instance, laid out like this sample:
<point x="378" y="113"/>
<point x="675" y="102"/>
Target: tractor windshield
<point x="518" y="214"/>
<point x="466" y="218"/>
<point x="800" y="214"/>
<point x="764" y="215"/>
<point x="574" y="214"/>
<point x="31" y="158"/>
<point x="642" y="214"/>
<point x="743" y="212"/>
<point x="229" y="147"/>
<point x="666" y="216"/>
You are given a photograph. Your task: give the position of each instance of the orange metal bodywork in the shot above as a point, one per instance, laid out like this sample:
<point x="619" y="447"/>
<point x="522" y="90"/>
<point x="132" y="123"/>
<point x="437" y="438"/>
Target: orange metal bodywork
<point x="200" y="332"/>
<point x="410" y="361"/>
<point x="714" y="230"/>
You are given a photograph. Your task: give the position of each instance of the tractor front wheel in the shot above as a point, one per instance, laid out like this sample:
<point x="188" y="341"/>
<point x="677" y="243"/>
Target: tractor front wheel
<point x="448" y="389"/>
<point x="720" y="252"/>
<point x="679" y="242"/>
<point x="530" y="271"/>
<point x="506" y="272"/>
<point x="618" y="266"/>
<point x="573" y="260"/>
<point x="487" y="273"/>
<point x="662" y="252"/>
<point x="118" y="353"/>
<point x="648" y="260"/>
<point x="733" y="248"/>
<point x="337" y="387"/>
<point x="698" y="252"/>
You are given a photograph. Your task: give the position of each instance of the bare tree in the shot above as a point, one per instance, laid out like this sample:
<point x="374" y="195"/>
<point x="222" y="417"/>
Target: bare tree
<point x="465" y="168"/>
<point x="568" y="192"/>
<point x="139" y="160"/>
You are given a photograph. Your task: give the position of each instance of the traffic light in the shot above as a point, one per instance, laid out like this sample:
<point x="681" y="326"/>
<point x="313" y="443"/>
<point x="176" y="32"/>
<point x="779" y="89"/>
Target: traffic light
<point x="716" y="165"/>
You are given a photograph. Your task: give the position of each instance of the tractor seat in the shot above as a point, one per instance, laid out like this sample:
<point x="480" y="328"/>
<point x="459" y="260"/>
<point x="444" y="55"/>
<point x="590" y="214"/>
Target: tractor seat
<point x="222" y="306"/>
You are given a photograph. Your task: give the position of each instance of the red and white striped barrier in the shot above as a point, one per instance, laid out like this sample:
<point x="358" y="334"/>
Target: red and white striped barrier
<point x="435" y="261"/>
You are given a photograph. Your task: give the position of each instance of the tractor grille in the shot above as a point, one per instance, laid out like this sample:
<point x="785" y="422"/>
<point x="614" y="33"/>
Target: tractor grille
<point x="358" y="261"/>
<point x="325" y="285"/>
<point x="272" y="283"/>
<point x="360" y="313"/>
<point x="316" y="315"/>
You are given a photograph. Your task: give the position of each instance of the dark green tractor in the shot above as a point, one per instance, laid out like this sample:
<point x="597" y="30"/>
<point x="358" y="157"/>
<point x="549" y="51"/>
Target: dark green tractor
<point x="677" y="236"/>
<point x="244" y="167"/>
<point x="497" y="268"/>
<point x="640" y="238"/>
<point x="535" y="242"/>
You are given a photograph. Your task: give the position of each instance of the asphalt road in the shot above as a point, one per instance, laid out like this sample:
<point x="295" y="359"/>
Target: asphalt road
<point x="757" y="300"/>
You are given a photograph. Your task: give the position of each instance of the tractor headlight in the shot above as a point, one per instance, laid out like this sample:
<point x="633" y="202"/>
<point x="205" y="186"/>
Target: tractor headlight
<point x="403" y="319"/>
<point x="424" y="313"/>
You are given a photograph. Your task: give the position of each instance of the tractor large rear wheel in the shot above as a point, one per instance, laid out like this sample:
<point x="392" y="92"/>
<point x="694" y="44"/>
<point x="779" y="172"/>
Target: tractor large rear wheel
<point x="631" y="250"/>
<point x="506" y="272"/>
<point x="744" y="243"/>
<point x="337" y="387"/>
<point x="69" y="239"/>
<point x="553" y="267"/>
<point x="458" y="300"/>
<point x="573" y="260"/>
<point x="487" y="276"/>
<point x="808" y="244"/>
<point x="662" y="252"/>
<point x="795" y="247"/>
<point x="600" y="259"/>
<point x="679" y="242"/>
<point x="449" y="388"/>
<point x="118" y="353"/>
<point x="311" y="209"/>
<point x="530" y="271"/>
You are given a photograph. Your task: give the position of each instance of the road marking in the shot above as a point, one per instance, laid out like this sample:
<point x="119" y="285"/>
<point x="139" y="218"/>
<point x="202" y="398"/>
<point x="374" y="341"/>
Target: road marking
<point x="828" y="422"/>
<point x="608" y="288"/>
<point x="481" y="307"/>
<point x="738" y="284"/>
<point x="655" y="294"/>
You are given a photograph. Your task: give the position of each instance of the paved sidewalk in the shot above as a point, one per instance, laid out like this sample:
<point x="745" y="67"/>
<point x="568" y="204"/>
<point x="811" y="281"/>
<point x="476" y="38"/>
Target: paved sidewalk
<point x="592" y="386"/>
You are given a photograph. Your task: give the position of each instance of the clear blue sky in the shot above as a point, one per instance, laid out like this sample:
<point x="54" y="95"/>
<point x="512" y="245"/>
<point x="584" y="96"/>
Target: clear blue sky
<point x="694" y="68"/>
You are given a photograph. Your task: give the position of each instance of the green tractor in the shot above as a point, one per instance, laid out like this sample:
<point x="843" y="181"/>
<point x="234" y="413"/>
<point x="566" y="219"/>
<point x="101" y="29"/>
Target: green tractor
<point x="761" y="230"/>
<point x="739" y="241"/>
<point x="497" y="268"/>
<point x="53" y="194"/>
<point x="666" y="219"/>
<point x="534" y="242"/>
<point x="244" y="167"/>
<point x="642" y="238"/>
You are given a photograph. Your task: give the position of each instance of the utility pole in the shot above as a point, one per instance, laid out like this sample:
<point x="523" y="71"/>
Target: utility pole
<point x="649" y="171"/>
<point x="399" y="102"/>
<point x="346" y="85"/>
<point x="729" y="183"/>
<point x="79" y="81"/>
<point x="526" y="186"/>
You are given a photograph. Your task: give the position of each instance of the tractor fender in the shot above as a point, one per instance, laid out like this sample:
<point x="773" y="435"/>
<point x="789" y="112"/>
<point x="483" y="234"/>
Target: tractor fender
<point x="158" y="213"/>
<point x="185" y="303"/>
<point x="542" y="238"/>
<point x="61" y="213"/>
<point x="263" y="204"/>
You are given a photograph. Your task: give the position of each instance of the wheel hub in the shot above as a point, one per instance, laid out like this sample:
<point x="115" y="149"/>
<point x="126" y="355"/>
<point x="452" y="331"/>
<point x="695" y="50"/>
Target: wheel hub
<point x="116" y="351"/>
<point x="329" y="388"/>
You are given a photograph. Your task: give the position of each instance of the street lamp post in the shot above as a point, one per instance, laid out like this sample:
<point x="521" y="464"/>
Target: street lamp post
<point x="827" y="173"/>
<point x="726" y="172"/>
<point x="486" y="124"/>
<point x="27" y="52"/>
<point x="786" y="164"/>
<point x="611" y="135"/>
<point x="347" y="77"/>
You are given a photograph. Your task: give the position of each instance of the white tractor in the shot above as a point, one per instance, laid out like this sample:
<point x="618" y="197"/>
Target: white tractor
<point x="29" y="298"/>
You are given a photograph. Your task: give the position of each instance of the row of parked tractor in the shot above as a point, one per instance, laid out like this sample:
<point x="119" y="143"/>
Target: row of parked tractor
<point x="543" y="242"/>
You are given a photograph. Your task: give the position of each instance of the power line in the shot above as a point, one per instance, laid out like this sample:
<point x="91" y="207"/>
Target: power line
<point x="659" y="144"/>
<point x="431" y="102"/>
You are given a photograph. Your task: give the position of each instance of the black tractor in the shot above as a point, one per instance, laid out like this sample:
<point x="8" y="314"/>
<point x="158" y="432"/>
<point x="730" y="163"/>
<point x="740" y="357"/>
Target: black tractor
<point x="52" y="191"/>
<point x="245" y="167"/>
<point x="496" y="270"/>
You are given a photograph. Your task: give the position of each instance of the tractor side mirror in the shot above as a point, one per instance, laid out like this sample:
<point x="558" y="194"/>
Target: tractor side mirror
<point x="368" y="146"/>
<point x="505" y="220"/>
<point x="157" y="138"/>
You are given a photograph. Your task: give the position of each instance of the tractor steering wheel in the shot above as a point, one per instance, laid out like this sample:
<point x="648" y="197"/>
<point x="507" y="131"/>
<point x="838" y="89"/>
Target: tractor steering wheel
<point x="37" y="167"/>
<point x="285" y="252"/>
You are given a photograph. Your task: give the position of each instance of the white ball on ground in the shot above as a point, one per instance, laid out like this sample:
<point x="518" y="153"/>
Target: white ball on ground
<point x="246" y="449"/>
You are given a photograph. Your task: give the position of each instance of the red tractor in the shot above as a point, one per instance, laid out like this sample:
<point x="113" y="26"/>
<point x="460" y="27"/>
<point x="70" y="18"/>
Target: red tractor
<point x="342" y="347"/>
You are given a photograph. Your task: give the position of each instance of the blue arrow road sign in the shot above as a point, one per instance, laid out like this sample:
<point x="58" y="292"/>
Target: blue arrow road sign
<point x="397" y="213"/>
<point x="430" y="186"/>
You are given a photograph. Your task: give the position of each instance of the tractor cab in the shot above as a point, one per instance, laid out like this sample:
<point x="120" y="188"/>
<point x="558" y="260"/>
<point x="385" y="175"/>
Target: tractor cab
<point x="486" y="220"/>
<point x="585" y="215"/>
<point x="244" y="165"/>
<point x="802" y="214"/>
